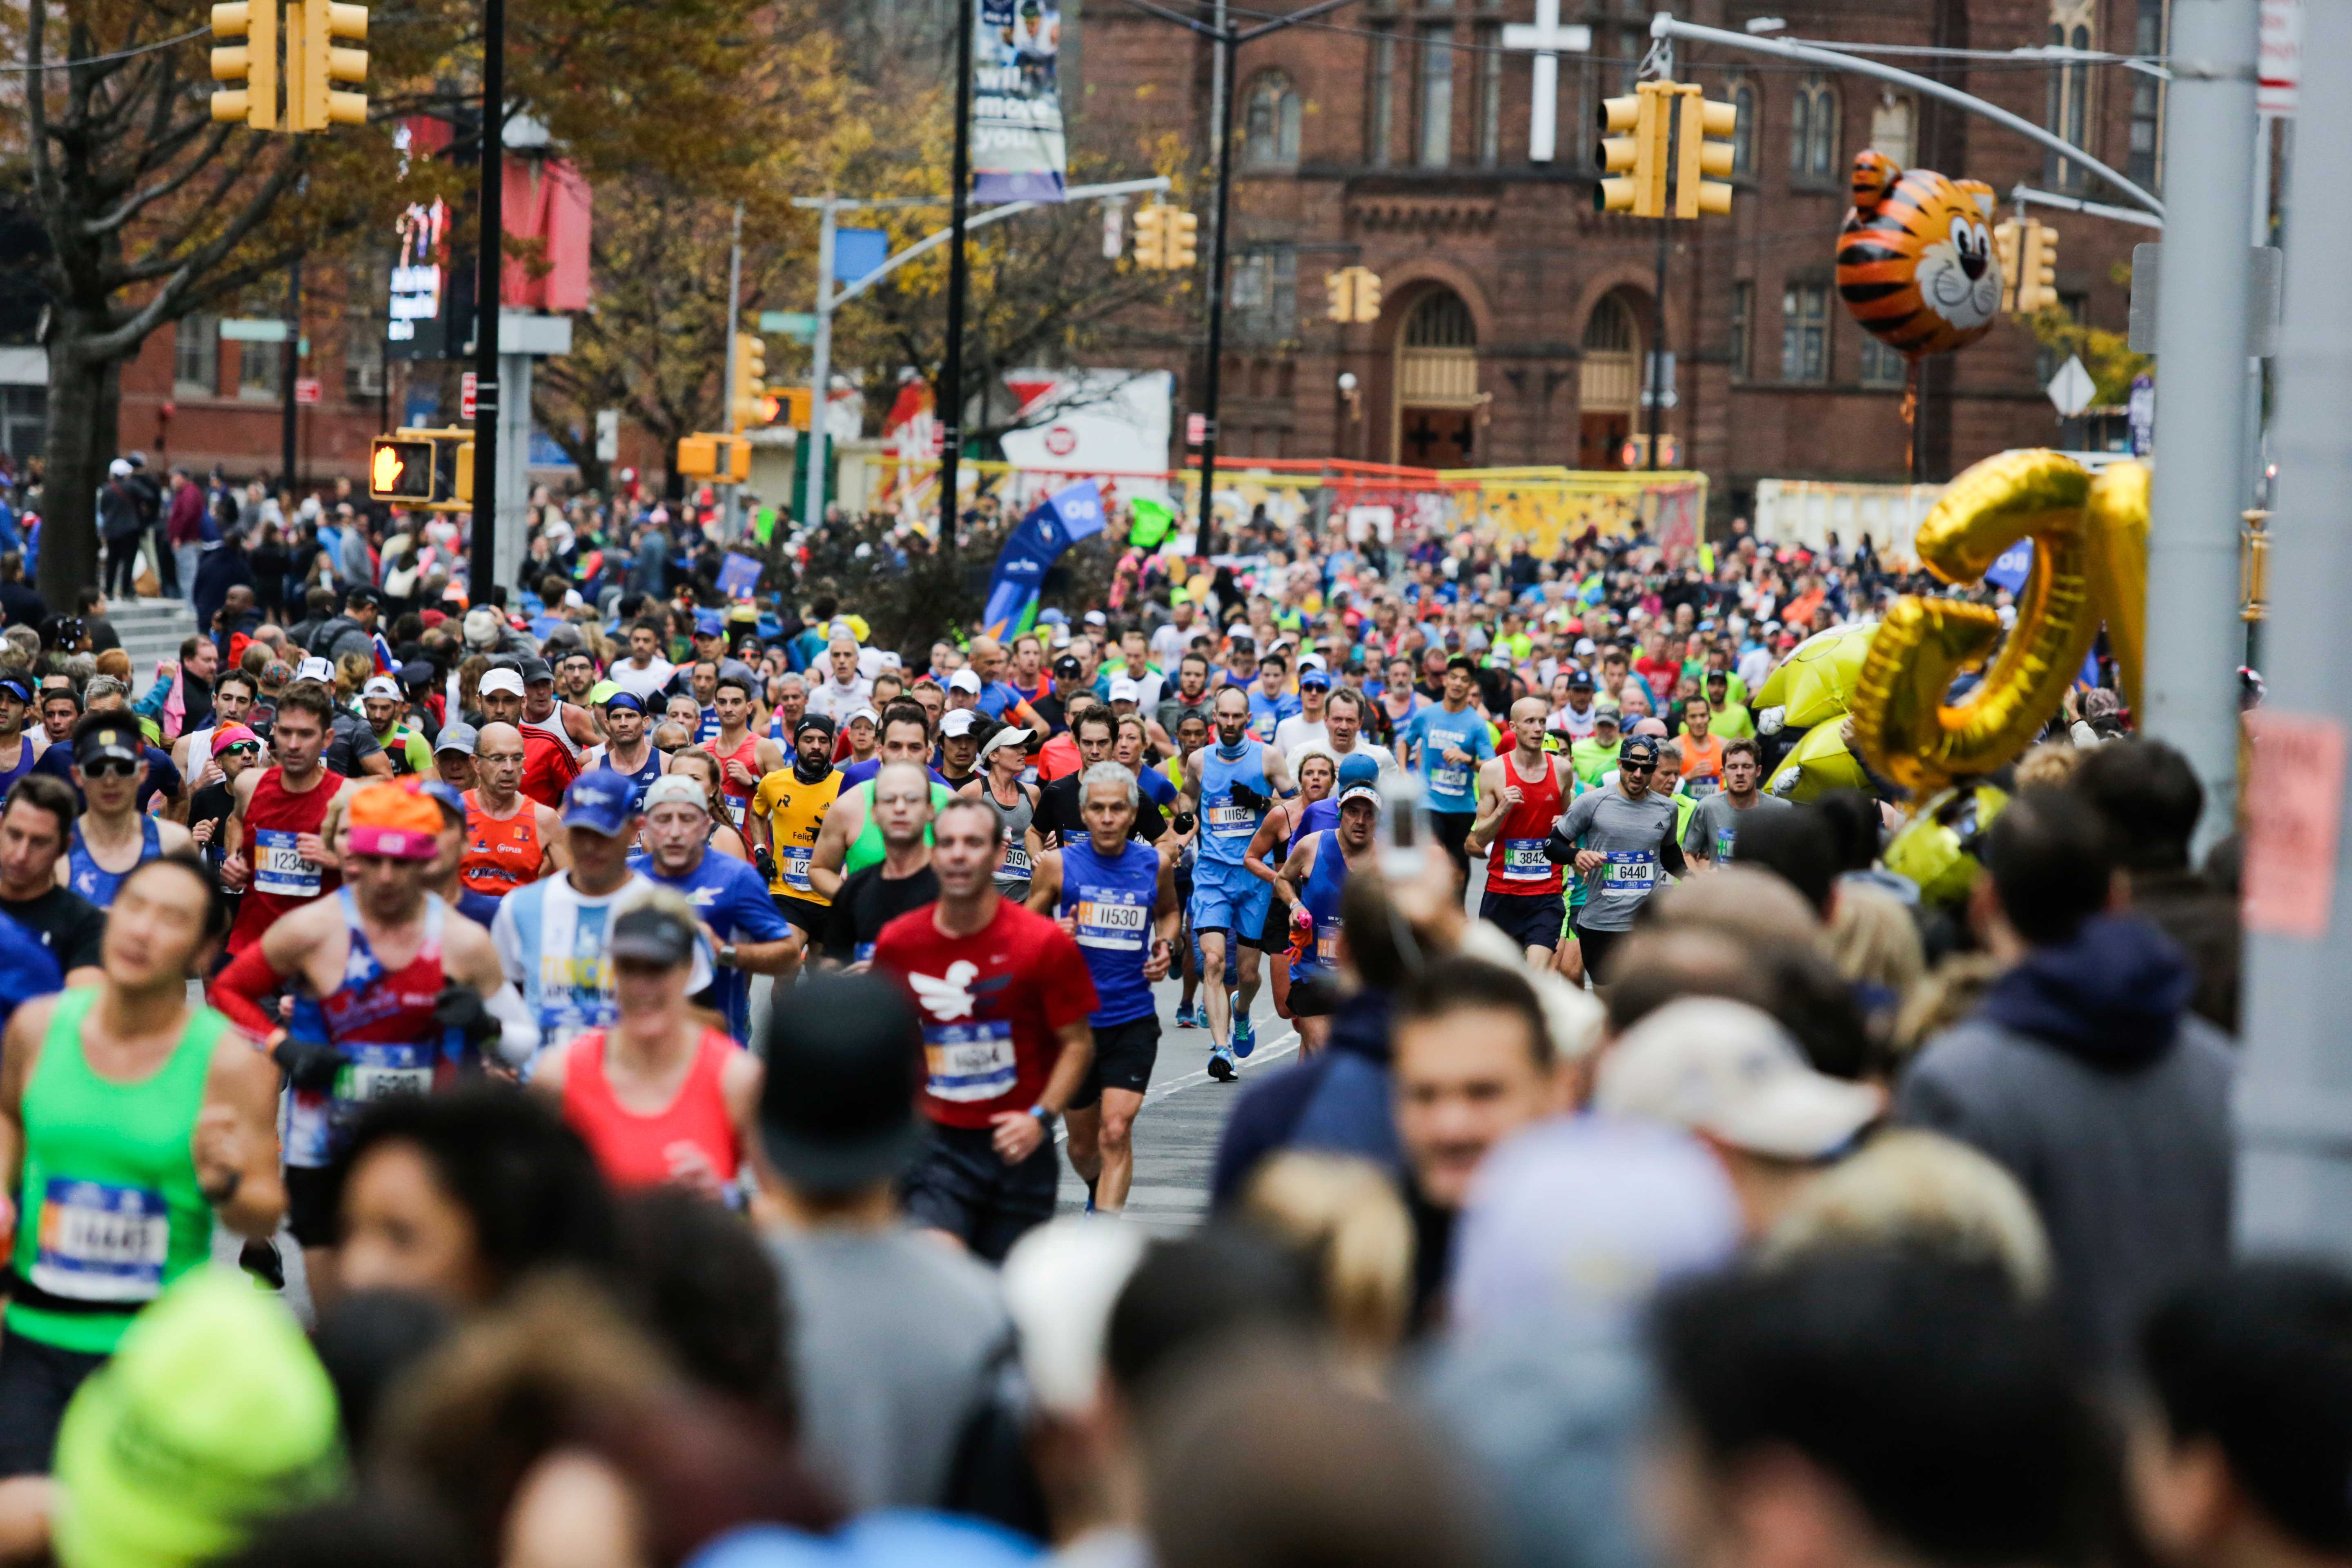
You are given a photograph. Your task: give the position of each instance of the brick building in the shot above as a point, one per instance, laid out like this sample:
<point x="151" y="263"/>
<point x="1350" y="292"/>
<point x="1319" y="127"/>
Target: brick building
<point x="1516" y="321"/>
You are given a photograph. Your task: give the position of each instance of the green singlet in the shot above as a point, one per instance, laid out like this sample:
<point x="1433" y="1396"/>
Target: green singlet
<point x="866" y="849"/>
<point x="110" y="1211"/>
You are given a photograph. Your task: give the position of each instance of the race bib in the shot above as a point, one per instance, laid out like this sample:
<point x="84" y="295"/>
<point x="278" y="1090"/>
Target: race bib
<point x="278" y="867"/>
<point x="1723" y="839"/>
<point x="101" y="1242"/>
<point x="1327" y="943"/>
<point x="1231" y="821"/>
<point x="1698" y="787"/>
<point x="382" y="1071"/>
<point x="1110" y="925"/>
<point x="969" y="1061"/>
<point x="1017" y="864"/>
<point x="794" y="867"/>
<point x="1524" y="860"/>
<point x="1450" y="780"/>
<point x="1631" y="871"/>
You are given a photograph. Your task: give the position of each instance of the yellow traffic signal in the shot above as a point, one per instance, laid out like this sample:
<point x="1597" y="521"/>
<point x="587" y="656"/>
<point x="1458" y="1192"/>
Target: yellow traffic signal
<point x="1355" y="294"/>
<point x="431" y="469"/>
<point x="1152" y="236"/>
<point x="315" y="62"/>
<point x="1702" y="147"/>
<point x="2037" y="267"/>
<point x="793" y="403"/>
<point x="2005" y="246"/>
<point x="706" y="456"/>
<point x="1638" y="149"/>
<point x="746" y="404"/>
<point x="252" y="62"/>
<point x="1182" y="227"/>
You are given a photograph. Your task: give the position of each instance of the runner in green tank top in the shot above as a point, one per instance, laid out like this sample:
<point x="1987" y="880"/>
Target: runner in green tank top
<point x="849" y="841"/>
<point x="127" y="1119"/>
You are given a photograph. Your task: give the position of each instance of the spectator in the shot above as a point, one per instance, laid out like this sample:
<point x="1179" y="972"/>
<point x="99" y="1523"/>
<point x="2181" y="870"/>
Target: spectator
<point x="2150" y="800"/>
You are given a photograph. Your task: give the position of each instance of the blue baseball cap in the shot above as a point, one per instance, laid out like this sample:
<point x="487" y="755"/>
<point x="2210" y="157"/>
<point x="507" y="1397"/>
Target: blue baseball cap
<point x="601" y="801"/>
<point x="1358" y="769"/>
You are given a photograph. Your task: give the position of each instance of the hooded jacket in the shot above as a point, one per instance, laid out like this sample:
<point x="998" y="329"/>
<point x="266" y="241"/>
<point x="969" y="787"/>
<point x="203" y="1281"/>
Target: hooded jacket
<point x="2085" y="1074"/>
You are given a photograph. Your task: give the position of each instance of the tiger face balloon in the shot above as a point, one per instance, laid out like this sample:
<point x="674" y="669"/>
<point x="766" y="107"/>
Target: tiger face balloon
<point x="1915" y="260"/>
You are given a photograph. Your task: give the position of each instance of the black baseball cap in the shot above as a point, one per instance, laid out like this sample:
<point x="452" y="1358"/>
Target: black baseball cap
<point x="416" y="673"/>
<point x="653" y="936"/>
<point x="1067" y="664"/>
<point x="121" y="741"/>
<point x="1580" y="681"/>
<point x="813" y="722"/>
<point x="838" y="1107"/>
<point x="1638" y="749"/>
<point x="535" y="670"/>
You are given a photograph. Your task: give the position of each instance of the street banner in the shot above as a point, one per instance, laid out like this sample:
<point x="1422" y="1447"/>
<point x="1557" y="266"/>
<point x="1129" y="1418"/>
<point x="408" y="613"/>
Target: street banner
<point x="1051" y="527"/>
<point x="1017" y="150"/>
<point x="738" y="575"/>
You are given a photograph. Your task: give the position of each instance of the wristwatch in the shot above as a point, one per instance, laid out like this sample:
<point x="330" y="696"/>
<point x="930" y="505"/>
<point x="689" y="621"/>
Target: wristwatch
<point x="1044" y="1118"/>
<point x="727" y="954"/>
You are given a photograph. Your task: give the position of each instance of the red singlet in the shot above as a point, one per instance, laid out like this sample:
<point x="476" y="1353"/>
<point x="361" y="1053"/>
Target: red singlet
<point x="691" y="1135"/>
<point x="1517" y="863"/>
<point x="748" y="753"/>
<point x="550" y="761"/>
<point x="282" y="880"/>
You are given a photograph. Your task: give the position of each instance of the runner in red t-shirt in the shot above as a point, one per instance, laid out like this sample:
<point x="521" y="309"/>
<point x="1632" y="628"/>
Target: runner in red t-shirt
<point x="1004" y="996"/>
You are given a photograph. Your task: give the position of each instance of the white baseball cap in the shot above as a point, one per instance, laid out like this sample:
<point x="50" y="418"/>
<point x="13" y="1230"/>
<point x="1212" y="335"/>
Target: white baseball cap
<point x="315" y="669"/>
<point x="1125" y="689"/>
<point x="958" y="723"/>
<point x="677" y="789"/>
<point x="868" y="714"/>
<point x="380" y="686"/>
<point x="1011" y="735"/>
<point x="500" y="680"/>
<point x="1728" y="1070"/>
<point x="964" y="680"/>
<point x="1097" y="618"/>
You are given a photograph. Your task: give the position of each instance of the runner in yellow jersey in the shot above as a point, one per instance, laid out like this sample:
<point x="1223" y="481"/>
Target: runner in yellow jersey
<point x="787" y="812"/>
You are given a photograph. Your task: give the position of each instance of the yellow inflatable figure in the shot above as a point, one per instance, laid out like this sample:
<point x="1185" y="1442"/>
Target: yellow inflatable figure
<point x="1816" y="681"/>
<point x="1818" y="764"/>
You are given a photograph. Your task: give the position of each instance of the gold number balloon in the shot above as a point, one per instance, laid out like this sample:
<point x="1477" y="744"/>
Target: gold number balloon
<point x="2089" y="563"/>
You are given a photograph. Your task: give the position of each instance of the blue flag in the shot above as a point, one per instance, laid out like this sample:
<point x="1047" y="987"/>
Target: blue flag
<point x="1021" y="566"/>
<point x="2010" y="568"/>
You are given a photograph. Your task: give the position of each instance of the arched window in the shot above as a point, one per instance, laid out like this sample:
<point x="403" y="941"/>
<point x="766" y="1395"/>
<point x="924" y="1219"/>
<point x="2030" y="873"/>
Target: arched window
<point x="1813" y="130"/>
<point x="1441" y="321"/>
<point x="1612" y="380"/>
<point x="1271" y="123"/>
<point x="1743" y="128"/>
<point x="1893" y="126"/>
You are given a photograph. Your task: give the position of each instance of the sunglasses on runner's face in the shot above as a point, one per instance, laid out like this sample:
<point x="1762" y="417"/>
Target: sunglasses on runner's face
<point x="1637" y="767"/>
<point x="110" y="768"/>
<point x="242" y="749"/>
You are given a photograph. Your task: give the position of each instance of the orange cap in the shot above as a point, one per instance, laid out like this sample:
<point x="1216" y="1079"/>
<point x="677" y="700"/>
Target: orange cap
<point x="394" y="819"/>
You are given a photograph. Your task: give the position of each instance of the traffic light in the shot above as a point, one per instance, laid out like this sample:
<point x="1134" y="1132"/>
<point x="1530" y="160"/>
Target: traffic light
<point x="430" y="469"/>
<point x="1182" y="227"/>
<point x="706" y="456"/>
<point x="1638" y="149"/>
<point x="2005" y="238"/>
<point x="1152" y="236"/>
<point x="2037" y="267"/>
<point x="315" y="62"/>
<point x="1355" y="294"/>
<point x="1702" y="147"/>
<point x="792" y="405"/>
<point x="246" y="54"/>
<point x="746" y="402"/>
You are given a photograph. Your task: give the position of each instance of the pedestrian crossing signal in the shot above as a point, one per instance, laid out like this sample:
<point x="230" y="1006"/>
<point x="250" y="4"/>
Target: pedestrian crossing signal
<point x="399" y="470"/>
<point x="427" y="469"/>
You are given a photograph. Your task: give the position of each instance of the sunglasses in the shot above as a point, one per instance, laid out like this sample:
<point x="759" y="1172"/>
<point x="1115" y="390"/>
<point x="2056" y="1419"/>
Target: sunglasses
<point x="108" y="768"/>
<point x="242" y="749"/>
<point x="1637" y="767"/>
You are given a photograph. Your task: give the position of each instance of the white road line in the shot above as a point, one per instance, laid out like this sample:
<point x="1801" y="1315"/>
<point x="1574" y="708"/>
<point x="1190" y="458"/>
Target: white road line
<point x="1262" y="1057"/>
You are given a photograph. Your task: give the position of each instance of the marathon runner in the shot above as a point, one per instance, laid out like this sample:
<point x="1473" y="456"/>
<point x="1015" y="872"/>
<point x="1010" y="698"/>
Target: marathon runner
<point x="1117" y="898"/>
<point x="727" y="896"/>
<point x="1061" y="817"/>
<point x="788" y="810"/>
<point x="1343" y="719"/>
<point x="629" y="753"/>
<point x="1713" y="826"/>
<point x="280" y="836"/>
<point x="35" y="828"/>
<point x="1230" y="786"/>
<point x="1312" y="810"/>
<point x="511" y="840"/>
<point x="385" y="708"/>
<point x="113" y="836"/>
<point x="1309" y="885"/>
<point x="130" y="1123"/>
<point x="958" y="763"/>
<point x="849" y="841"/>
<point x="1521" y="795"/>
<point x="550" y="935"/>
<point x="1618" y="837"/>
<point x="744" y="758"/>
<point x="872" y="897"/>
<point x="453" y="757"/>
<point x="1001" y="787"/>
<point x="556" y="737"/>
<point x="1004" y="996"/>
<point x="1447" y="740"/>
<point x="369" y="969"/>
<point x="192" y="753"/>
<point x="658" y="1095"/>
<point x="1701" y="758"/>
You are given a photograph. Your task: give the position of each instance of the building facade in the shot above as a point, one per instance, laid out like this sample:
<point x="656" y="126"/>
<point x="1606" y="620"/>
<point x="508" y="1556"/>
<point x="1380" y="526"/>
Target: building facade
<point x="1516" y="322"/>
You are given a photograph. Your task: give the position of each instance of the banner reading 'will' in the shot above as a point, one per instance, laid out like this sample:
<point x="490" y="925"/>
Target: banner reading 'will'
<point x="1018" y="153"/>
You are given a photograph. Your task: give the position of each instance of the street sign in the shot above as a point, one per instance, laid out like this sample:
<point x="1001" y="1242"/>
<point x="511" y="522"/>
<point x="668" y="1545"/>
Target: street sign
<point x="466" y="395"/>
<point x="253" y="330"/>
<point x="1196" y="429"/>
<point x="2278" y="69"/>
<point x="608" y="435"/>
<point x="2072" y="388"/>
<point x="858" y="251"/>
<point x="1114" y="234"/>
<point x="306" y="389"/>
<point x="798" y="325"/>
<point x="2139" y="412"/>
<point x="1665" y="366"/>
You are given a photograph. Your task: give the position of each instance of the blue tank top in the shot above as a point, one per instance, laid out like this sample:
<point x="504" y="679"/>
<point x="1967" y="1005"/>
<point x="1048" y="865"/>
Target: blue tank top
<point x="1227" y="826"/>
<point x="1324" y="814"/>
<point x="1111" y="902"/>
<point x="24" y="761"/>
<point x="94" y="881"/>
<point x="1321" y="897"/>
<point x="640" y="781"/>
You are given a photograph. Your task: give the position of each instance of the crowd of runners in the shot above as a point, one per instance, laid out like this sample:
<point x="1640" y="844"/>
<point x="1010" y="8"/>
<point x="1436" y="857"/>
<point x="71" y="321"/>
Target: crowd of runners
<point x="587" y="1078"/>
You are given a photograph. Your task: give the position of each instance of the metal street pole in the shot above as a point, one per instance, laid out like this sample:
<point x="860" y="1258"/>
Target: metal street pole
<point x="1658" y="351"/>
<point x="950" y="393"/>
<point x="489" y="266"/>
<point x="1221" y="118"/>
<point x="2294" y="1080"/>
<point x="820" y="361"/>
<point x="2200" y="354"/>
<point x="289" y="360"/>
<point x="734" y="325"/>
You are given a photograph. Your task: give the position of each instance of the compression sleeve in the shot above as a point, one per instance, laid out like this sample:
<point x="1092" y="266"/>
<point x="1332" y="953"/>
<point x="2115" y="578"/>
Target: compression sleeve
<point x="1670" y="855"/>
<point x="239" y="990"/>
<point x="518" y="1030"/>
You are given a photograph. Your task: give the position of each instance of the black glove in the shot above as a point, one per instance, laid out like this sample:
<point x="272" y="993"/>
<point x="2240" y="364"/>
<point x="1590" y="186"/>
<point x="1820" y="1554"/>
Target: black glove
<point x="307" y="1064"/>
<point x="460" y="1008"/>
<point x="765" y="862"/>
<point x="1183" y="821"/>
<point x="1247" y="797"/>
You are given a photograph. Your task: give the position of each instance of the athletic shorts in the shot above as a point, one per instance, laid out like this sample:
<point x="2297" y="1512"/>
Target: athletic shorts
<point x="1594" y="946"/>
<point x="1201" y="960"/>
<point x="1313" y="992"/>
<point x="806" y="917"/>
<point x="1274" y="935"/>
<point x="1453" y="830"/>
<point x="37" y="1382"/>
<point x="311" y="1195"/>
<point x="1123" y="1057"/>
<point x="1229" y="899"/>
<point x="959" y="1184"/>
<point x="1531" y="920"/>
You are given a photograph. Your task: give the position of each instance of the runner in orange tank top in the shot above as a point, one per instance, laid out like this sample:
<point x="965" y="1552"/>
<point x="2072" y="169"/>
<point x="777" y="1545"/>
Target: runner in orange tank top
<point x="510" y="841"/>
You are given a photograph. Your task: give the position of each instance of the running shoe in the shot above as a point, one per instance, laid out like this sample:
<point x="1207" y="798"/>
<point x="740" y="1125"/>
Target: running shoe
<point x="1245" y="1037"/>
<point x="1221" y="1066"/>
<point x="1188" y="1017"/>
<point x="259" y="1257"/>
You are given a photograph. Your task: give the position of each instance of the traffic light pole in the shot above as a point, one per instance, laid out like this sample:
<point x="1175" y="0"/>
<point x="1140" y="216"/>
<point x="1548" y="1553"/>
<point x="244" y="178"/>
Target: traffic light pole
<point x="820" y="359"/>
<point x="489" y="266"/>
<point x="951" y="392"/>
<point x="289" y="365"/>
<point x="1657" y="398"/>
<point x="734" y="326"/>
